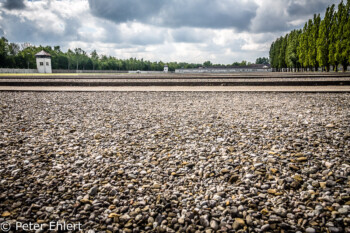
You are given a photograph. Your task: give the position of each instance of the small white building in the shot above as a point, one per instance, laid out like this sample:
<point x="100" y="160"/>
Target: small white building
<point x="166" y="69"/>
<point x="43" y="62"/>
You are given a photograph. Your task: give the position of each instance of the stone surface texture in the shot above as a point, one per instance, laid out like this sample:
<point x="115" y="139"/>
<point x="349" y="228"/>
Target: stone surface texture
<point x="176" y="161"/>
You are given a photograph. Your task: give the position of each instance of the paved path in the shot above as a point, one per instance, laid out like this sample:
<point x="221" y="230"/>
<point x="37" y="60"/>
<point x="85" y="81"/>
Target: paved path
<point x="186" y="88"/>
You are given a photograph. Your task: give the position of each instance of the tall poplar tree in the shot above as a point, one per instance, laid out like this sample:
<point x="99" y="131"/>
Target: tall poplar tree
<point x="274" y="53"/>
<point x="291" y="50"/>
<point x="303" y="48"/>
<point x="282" y="52"/>
<point x="313" y="29"/>
<point x="324" y="39"/>
<point x="347" y="32"/>
<point x="308" y="37"/>
<point x="341" y="33"/>
<point x="271" y="56"/>
<point x="333" y="37"/>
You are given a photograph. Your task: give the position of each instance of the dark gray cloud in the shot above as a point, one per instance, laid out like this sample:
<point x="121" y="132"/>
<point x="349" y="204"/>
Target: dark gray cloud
<point x="128" y="34"/>
<point x="20" y="31"/>
<point x="274" y="23"/>
<point x="188" y="35"/>
<point x="178" y="13"/>
<point x="286" y="15"/>
<point x="146" y="39"/>
<point x="209" y="14"/>
<point x="13" y="4"/>
<point x="306" y="8"/>
<point x="125" y="10"/>
<point x="271" y="17"/>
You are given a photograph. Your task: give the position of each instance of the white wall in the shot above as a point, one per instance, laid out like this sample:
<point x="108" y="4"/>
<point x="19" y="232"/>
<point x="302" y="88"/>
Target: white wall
<point x="144" y="72"/>
<point x="19" y="71"/>
<point x="223" y="70"/>
<point x="43" y="65"/>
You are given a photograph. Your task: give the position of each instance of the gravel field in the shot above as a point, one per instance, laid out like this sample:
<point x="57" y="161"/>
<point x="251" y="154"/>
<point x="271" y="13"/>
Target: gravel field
<point x="176" y="161"/>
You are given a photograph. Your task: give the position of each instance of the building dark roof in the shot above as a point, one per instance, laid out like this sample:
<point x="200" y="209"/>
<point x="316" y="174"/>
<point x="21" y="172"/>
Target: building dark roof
<point x="42" y="53"/>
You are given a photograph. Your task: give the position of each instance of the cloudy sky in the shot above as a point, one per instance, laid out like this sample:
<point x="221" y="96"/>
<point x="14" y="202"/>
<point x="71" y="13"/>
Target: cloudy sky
<point x="222" y="31"/>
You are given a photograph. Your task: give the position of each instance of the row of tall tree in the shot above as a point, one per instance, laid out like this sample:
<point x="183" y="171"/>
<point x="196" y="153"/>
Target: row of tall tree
<point x="23" y="56"/>
<point x="322" y="43"/>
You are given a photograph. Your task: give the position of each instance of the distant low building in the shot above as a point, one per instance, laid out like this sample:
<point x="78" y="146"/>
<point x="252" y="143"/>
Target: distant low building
<point x="166" y="69"/>
<point x="228" y="69"/>
<point x="43" y="62"/>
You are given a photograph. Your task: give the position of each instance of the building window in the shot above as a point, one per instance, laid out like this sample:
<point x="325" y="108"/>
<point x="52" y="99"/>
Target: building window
<point x="47" y="63"/>
<point x="41" y="63"/>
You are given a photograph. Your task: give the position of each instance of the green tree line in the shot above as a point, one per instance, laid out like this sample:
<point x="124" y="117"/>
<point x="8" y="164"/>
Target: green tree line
<point x="15" y="56"/>
<point x="322" y="43"/>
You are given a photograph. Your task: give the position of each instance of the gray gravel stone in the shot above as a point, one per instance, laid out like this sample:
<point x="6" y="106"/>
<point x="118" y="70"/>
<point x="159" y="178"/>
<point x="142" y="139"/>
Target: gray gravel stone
<point x="310" y="230"/>
<point x="144" y="161"/>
